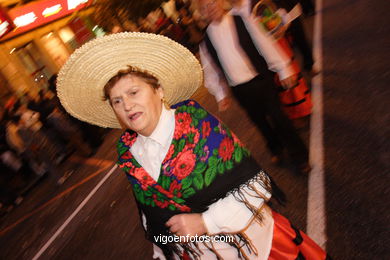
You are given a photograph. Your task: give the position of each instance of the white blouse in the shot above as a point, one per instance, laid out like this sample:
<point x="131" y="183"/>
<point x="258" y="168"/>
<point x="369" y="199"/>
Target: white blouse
<point x="226" y="215"/>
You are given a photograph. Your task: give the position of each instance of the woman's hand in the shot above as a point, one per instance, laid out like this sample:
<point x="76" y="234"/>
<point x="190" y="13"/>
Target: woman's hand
<point x="187" y="224"/>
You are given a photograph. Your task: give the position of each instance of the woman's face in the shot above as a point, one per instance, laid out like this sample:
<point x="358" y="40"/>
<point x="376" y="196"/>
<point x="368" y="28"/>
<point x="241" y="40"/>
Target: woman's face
<point x="136" y="104"/>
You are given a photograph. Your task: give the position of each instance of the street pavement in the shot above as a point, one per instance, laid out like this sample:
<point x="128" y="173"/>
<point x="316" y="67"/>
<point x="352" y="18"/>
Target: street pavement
<point x="356" y="150"/>
<point x="356" y="49"/>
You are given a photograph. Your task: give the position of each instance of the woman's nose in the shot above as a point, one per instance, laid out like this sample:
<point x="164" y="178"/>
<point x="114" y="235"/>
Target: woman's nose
<point x="128" y="104"/>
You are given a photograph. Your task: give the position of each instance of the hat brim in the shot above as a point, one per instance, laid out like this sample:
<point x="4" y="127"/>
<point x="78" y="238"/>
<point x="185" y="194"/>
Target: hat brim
<point x="81" y="80"/>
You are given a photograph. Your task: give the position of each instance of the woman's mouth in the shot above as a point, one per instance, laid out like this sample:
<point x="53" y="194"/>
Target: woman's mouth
<point x="135" y="116"/>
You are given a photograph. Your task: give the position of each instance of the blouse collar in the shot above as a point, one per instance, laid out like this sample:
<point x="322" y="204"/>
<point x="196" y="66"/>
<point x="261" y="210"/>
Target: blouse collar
<point x="162" y="134"/>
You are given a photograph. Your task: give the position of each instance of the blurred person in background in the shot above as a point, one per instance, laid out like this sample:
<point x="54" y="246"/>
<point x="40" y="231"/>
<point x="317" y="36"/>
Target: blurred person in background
<point x="295" y="101"/>
<point x="42" y="151"/>
<point x="16" y="175"/>
<point x="237" y="52"/>
<point x="182" y="28"/>
<point x="31" y="168"/>
<point x="59" y="121"/>
<point x="291" y="12"/>
<point x="12" y="136"/>
<point x="191" y="28"/>
<point x="189" y="173"/>
<point x="36" y="136"/>
<point x="43" y="104"/>
<point x="167" y="26"/>
<point x="162" y="20"/>
<point x="10" y="107"/>
<point x="16" y="143"/>
<point x="92" y="136"/>
<point x="9" y="165"/>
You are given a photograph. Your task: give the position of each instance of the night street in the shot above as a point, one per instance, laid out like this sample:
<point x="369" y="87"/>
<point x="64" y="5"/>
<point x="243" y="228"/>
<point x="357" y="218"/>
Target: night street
<point x="343" y="203"/>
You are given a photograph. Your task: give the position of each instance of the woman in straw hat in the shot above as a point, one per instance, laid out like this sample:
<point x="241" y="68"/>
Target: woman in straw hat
<point x="190" y="174"/>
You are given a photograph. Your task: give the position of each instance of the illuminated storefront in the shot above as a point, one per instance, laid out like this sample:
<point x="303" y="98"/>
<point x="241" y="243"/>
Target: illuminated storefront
<point x="38" y="39"/>
<point x="6" y="24"/>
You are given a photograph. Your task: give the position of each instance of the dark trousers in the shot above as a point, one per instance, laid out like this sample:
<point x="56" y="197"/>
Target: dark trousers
<point x="260" y="99"/>
<point x="307" y="6"/>
<point x="298" y="35"/>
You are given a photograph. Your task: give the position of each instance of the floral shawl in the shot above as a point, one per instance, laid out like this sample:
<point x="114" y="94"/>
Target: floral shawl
<point x="205" y="162"/>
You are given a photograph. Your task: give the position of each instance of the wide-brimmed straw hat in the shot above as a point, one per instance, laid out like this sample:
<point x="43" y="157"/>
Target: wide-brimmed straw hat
<point x="81" y="80"/>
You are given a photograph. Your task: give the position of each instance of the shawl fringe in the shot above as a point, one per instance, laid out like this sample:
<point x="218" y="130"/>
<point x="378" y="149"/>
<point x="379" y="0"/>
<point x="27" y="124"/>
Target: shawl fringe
<point x="240" y="239"/>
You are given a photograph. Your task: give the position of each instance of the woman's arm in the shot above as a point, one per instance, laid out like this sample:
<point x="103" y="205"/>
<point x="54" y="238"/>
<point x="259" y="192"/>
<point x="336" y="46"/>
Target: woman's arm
<point x="227" y="215"/>
<point x="214" y="80"/>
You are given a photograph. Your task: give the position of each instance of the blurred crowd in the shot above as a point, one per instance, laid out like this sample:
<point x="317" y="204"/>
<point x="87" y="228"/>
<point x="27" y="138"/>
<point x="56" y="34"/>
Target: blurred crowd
<point x="36" y="136"/>
<point x="185" y="25"/>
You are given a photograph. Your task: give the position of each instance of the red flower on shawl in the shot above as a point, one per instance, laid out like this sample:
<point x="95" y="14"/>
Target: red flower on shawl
<point x="128" y="139"/>
<point x="126" y="164"/>
<point x="183" y="164"/>
<point x="236" y="140"/>
<point x="183" y="122"/>
<point x="162" y="191"/>
<point x="160" y="204"/>
<point x="182" y="208"/>
<point x="206" y="129"/>
<point x="175" y="189"/>
<point x="195" y="138"/>
<point x="225" y="149"/>
<point x="143" y="177"/>
<point x="169" y="154"/>
<point x="127" y="155"/>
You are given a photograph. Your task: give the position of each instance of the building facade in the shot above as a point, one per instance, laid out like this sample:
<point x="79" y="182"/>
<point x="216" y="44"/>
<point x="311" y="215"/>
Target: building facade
<point x="44" y="34"/>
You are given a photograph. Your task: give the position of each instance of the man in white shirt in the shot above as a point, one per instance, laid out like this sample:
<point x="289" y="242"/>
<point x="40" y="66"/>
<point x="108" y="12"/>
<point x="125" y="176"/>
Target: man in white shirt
<point x="236" y="52"/>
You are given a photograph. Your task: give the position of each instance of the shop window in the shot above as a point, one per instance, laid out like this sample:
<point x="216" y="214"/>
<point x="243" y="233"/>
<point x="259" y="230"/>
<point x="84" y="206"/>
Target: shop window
<point x="5" y="90"/>
<point x="31" y="59"/>
<point x="55" y="48"/>
<point x="96" y="30"/>
<point x="81" y="29"/>
<point x="68" y="37"/>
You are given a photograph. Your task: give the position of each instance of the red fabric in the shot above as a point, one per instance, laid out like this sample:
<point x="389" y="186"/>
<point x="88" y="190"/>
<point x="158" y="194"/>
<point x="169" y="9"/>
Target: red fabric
<point x="295" y="94"/>
<point x="283" y="247"/>
<point x="185" y="256"/>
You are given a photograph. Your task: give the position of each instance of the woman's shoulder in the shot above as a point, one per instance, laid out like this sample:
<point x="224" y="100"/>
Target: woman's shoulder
<point x="191" y="107"/>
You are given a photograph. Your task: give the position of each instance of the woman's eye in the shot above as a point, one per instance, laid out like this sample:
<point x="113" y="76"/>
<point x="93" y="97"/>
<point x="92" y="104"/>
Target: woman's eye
<point x="133" y="93"/>
<point x="116" y="101"/>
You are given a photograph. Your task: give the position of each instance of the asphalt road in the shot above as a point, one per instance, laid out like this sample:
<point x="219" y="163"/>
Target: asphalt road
<point x="356" y="50"/>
